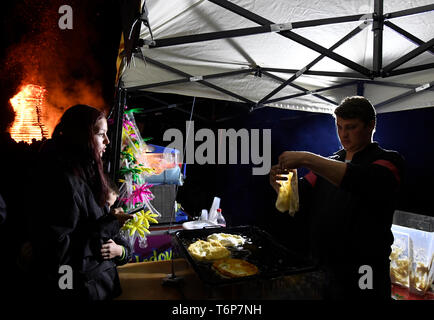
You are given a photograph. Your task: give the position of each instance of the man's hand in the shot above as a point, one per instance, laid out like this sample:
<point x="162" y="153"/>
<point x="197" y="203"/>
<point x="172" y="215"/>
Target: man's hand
<point x="288" y="161"/>
<point x="121" y="215"/>
<point x="275" y="176"/>
<point x="110" y="250"/>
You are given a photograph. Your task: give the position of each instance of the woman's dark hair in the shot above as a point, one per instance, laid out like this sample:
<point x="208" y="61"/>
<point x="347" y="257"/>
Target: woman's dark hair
<point x="74" y="138"/>
<point x="356" y="107"/>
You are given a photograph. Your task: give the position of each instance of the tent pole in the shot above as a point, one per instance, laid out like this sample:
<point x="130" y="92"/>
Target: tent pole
<point x="158" y="84"/>
<point x="377" y="28"/>
<point x="391" y="84"/>
<point x="412" y="54"/>
<point x="317" y="73"/>
<point x="210" y="76"/>
<point x="406" y="94"/>
<point x="265" y="28"/>
<point x="294" y="37"/>
<point x="321" y="22"/>
<point x="159" y="43"/>
<point x="330" y="54"/>
<point x="407" y="35"/>
<point x="360" y="88"/>
<point x="297" y="87"/>
<point x="313" y="92"/>
<point x="116" y="133"/>
<point x="407" y="12"/>
<point x="205" y="83"/>
<point x="313" y="62"/>
<point x="410" y="70"/>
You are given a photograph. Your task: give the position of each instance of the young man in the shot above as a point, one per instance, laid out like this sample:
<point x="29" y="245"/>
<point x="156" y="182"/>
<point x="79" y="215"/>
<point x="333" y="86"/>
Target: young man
<point x="349" y="200"/>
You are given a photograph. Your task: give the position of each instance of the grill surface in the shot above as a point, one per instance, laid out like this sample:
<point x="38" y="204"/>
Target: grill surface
<point x="272" y="259"/>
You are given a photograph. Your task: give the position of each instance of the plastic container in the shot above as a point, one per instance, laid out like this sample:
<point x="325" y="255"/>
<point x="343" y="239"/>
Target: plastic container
<point x="160" y="158"/>
<point x="204" y="215"/>
<point x="199" y="224"/>
<point x="212" y="214"/>
<point x="412" y="255"/>
<point x="168" y="176"/>
<point x="401" y="257"/>
<point x="220" y="219"/>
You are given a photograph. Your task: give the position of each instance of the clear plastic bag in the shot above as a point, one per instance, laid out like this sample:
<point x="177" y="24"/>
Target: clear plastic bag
<point x="287" y="198"/>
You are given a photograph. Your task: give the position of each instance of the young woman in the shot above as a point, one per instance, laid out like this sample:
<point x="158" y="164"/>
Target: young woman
<point x="72" y="232"/>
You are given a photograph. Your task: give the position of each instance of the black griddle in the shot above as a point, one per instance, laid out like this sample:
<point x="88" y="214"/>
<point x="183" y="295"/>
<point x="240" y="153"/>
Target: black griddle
<point x="272" y="259"/>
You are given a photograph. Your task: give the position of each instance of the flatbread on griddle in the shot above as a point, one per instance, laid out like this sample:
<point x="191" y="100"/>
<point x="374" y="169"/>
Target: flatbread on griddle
<point x="235" y="268"/>
<point x="207" y="250"/>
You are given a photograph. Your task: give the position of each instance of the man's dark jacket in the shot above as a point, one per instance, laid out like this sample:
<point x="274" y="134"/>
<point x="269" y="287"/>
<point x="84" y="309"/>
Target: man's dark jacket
<point x="350" y="225"/>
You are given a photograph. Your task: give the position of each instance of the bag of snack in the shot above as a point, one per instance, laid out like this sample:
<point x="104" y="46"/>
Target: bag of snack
<point x="287" y="198"/>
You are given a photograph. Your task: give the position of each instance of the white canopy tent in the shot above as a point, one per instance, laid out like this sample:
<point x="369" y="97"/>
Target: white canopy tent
<point x="300" y="55"/>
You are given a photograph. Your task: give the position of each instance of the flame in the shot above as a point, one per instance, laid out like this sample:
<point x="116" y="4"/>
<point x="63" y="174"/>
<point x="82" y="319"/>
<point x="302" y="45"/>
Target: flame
<point x="28" y="105"/>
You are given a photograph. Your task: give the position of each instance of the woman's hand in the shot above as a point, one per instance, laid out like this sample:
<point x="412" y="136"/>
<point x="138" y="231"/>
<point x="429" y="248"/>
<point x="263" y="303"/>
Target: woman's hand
<point x="110" y="250"/>
<point x="121" y="215"/>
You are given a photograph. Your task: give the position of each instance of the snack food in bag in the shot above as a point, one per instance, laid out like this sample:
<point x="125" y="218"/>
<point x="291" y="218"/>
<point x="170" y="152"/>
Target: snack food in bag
<point x="287" y="199"/>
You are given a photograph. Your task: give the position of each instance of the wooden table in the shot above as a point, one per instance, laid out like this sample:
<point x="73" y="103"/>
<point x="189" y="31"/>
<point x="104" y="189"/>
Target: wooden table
<point x="144" y="281"/>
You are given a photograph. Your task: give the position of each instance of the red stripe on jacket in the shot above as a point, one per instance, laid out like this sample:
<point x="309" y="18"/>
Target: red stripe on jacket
<point x="311" y="178"/>
<point x="389" y="165"/>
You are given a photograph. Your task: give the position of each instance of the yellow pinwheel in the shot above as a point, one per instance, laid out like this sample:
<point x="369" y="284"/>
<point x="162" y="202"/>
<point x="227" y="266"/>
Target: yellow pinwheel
<point x="134" y="225"/>
<point x="147" y="217"/>
<point x="151" y="216"/>
<point x="140" y="223"/>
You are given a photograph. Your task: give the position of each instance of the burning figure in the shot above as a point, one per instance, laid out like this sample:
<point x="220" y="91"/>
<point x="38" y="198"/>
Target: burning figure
<point x="28" y="105"/>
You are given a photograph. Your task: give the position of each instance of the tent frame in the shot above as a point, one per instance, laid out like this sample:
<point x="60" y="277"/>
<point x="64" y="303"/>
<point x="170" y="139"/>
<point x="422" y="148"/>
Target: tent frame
<point x="359" y="76"/>
<point x="377" y="19"/>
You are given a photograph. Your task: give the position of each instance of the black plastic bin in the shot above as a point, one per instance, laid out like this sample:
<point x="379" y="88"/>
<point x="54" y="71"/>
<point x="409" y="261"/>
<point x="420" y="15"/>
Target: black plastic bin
<point x="272" y="259"/>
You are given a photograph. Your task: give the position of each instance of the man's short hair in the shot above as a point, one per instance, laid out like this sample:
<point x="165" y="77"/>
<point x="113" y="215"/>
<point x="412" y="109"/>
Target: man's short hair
<point x="356" y="107"/>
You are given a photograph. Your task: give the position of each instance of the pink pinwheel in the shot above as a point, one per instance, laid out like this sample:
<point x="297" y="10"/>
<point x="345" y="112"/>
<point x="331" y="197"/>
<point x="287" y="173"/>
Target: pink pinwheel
<point x="141" y="193"/>
<point x="127" y="123"/>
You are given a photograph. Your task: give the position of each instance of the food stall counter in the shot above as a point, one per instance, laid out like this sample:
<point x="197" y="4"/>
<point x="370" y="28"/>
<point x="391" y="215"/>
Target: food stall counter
<point x="144" y="281"/>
